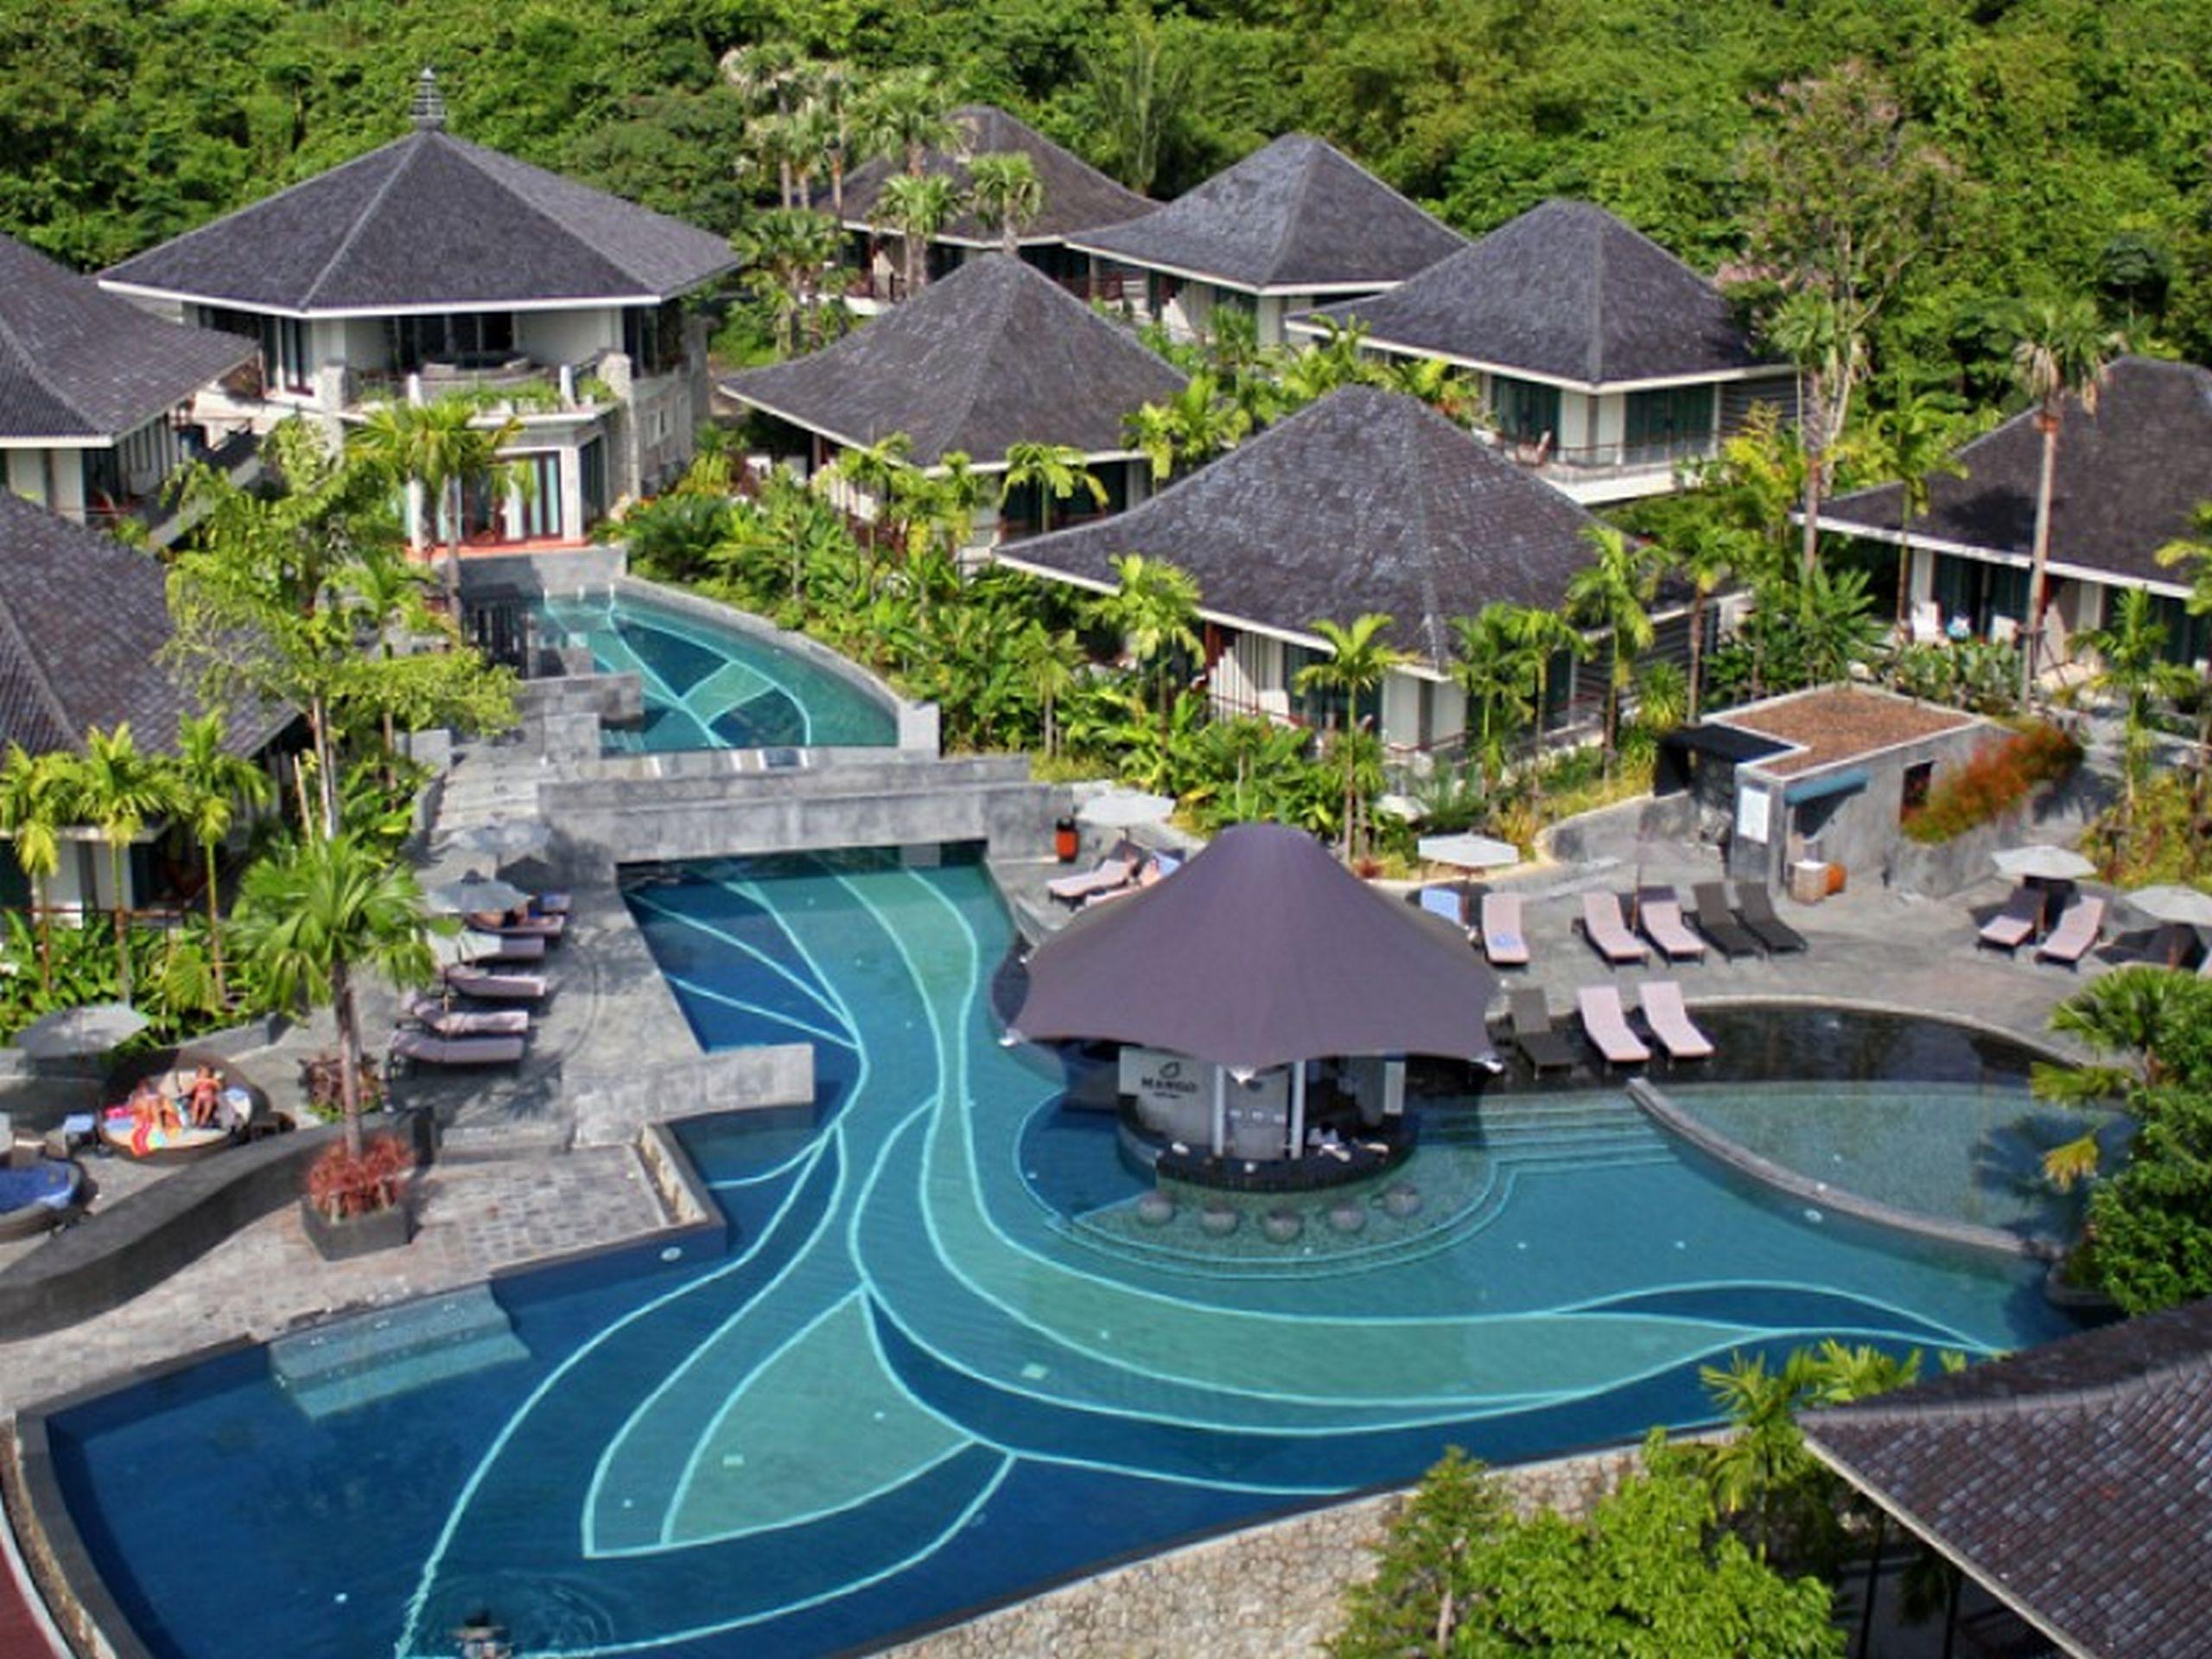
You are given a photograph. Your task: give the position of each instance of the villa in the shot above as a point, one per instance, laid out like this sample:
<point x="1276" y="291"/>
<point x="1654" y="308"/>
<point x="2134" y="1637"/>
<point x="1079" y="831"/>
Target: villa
<point x="1364" y="501"/>
<point x="1293" y="225"/>
<point x="994" y="355"/>
<point x="2129" y="480"/>
<point x="1077" y="198"/>
<point x="97" y="397"/>
<point x="1604" y="361"/>
<point x="432" y="266"/>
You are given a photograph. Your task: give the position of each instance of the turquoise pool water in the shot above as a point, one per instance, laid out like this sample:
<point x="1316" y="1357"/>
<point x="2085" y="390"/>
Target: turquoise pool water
<point x="714" y="687"/>
<point x="935" y="1369"/>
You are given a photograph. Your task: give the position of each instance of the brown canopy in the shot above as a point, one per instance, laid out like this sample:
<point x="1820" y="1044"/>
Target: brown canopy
<point x="1262" y="951"/>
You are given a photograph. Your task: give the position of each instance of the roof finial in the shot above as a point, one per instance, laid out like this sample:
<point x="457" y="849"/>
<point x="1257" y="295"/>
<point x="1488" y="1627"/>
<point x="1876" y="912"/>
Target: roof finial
<point x="428" y="105"/>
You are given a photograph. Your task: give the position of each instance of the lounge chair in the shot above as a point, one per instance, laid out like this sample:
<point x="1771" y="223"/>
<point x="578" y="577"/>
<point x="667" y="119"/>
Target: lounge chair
<point x="2077" y="932"/>
<point x="1113" y="871"/>
<point x="1448" y="904"/>
<point x="1504" y="942"/>
<point x="435" y="1017"/>
<point x="526" y="926"/>
<point x="1756" y="905"/>
<point x="1671" y="1022"/>
<point x="1607" y="933"/>
<point x="477" y="945"/>
<point x="1660" y="914"/>
<point x="1716" y="919"/>
<point x="495" y="988"/>
<point x="421" y="1048"/>
<point x="1605" y="1023"/>
<point x="1167" y="862"/>
<point x="2014" y="925"/>
<point x="1927" y="623"/>
<point x="1530" y="1023"/>
<point x="552" y="903"/>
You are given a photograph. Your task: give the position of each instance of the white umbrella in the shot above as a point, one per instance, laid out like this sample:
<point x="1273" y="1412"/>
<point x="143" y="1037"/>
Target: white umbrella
<point x="476" y="895"/>
<point x="93" y="1029"/>
<point x="2043" y="863"/>
<point x="2167" y="903"/>
<point x="1401" y="806"/>
<point x="1469" y="852"/>
<point x="1118" y="809"/>
<point x="507" y="839"/>
<point x="456" y="949"/>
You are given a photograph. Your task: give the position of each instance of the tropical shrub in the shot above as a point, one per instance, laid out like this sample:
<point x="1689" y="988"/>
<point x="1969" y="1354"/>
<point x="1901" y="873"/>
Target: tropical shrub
<point x="1993" y="779"/>
<point x="343" y="1183"/>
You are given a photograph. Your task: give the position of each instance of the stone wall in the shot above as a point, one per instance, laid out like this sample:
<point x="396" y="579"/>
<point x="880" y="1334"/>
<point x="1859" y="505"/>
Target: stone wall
<point x="1269" y="1592"/>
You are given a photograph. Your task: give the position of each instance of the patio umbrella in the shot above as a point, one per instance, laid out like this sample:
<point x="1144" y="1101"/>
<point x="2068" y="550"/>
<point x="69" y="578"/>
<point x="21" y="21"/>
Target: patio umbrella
<point x="1469" y="852"/>
<point x="476" y="895"/>
<point x="2043" y="863"/>
<point x="1120" y="809"/>
<point x="2167" y="903"/>
<point x="507" y="839"/>
<point x="93" y="1029"/>
<point x="453" y="950"/>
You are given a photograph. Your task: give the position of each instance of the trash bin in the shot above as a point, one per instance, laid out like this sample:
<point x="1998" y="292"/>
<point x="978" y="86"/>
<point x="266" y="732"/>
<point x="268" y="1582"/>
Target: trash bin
<point x="1808" y="881"/>
<point x="1066" y="840"/>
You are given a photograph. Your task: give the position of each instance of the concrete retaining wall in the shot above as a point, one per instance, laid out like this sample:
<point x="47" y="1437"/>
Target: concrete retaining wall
<point x="1939" y="869"/>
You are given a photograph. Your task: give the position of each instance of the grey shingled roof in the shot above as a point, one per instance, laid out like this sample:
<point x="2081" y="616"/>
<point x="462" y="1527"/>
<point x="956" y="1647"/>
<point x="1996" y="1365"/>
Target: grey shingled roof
<point x="1364" y="501"/>
<point x="1077" y="196"/>
<point x="2076" y="1478"/>
<point x="78" y="365"/>
<point x="1567" y="291"/>
<point x="992" y="355"/>
<point x="83" y="619"/>
<point x="2127" y="479"/>
<point x="1297" y="214"/>
<point x="431" y="220"/>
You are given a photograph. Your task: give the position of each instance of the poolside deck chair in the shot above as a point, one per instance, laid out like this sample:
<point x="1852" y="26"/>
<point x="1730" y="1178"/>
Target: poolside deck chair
<point x="495" y="988"/>
<point x="2077" y="932"/>
<point x="1716" y="919"/>
<point x="1447" y="903"/>
<point x="1607" y="933"/>
<point x="552" y="903"/>
<point x="421" y="1048"/>
<point x="548" y="928"/>
<point x="1671" y="1022"/>
<point x="435" y="1017"/>
<point x="2014" y="925"/>
<point x="479" y="946"/>
<point x="1529" y="1022"/>
<point x="1504" y="942"/>
<point x="1115" y="870"/>
<point x="1660" y="914"/>
<point x="1605" y="1022"/>
<point x="1756" y="905"/>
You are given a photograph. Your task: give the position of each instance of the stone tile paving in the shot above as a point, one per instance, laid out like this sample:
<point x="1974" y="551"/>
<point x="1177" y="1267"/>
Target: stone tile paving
<point x="474" y="1218"/>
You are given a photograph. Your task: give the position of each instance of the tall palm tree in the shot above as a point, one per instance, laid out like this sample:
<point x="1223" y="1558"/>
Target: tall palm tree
<point x="2131" y="650"/>
<point x="1807" y="329"/>
<point x="1154" y="609"/>
<point x="442" y="446"/>
<point x="1492" y="667"/>
<point x="1006" y="193"/>
<point x="311" y="916"/>
<point x="118" y="787"/>
<point x="1910" y="442"/>
<point x="1358" y="663"/>
<point x="1051" y="663"/>
<point x="1543" y="636"/>
<point x="2062" y="351"/>
<point x="1612" y="593"/>
<point x="2195" y="550"/>
<point x="211" y="785"/>
<point x="34" y="806"/>
<point x="868" y="471"/>
<point x="770" y="76"/>
<point x="787" y="250"/>
<point x="835" y="97"/>
<point x="916" y="206"/>
<point x="1056" y="470"/>
<point x="1706" y="556"/>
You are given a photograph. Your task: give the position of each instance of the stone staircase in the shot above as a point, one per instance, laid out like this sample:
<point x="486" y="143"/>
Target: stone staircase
<point x="1574" y="1130"/>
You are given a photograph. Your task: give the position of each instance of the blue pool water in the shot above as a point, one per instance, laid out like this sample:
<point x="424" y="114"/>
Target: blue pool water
<point x="931" y="1371"/>
<point x="710" y="687"/>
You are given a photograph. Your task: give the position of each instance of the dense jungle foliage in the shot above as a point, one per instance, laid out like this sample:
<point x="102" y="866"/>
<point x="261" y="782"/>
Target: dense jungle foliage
<point x="2076" y="129"/>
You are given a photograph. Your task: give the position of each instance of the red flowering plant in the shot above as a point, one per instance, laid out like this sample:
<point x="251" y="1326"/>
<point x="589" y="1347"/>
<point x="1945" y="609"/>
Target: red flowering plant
<point x="342" y="1184"/>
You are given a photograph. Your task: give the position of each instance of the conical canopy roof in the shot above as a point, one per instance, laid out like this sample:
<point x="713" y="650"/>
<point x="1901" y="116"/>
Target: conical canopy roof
<point x="1262" y="951"/>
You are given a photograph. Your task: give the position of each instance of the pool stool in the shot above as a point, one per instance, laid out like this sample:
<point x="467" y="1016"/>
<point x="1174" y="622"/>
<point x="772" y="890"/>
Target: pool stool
<point x="1282" y="1225"/>
<point x="1155" y="1209"/>
<point x="1347" y="1217"/>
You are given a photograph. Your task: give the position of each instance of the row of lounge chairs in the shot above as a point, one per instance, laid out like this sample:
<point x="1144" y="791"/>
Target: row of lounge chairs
<point x="1605" y="1023"/>
<point x="438" y="1031"/>
<point x="1747" y="927"/>
<point x="1127" y="868"/>
<point x="2080" y="926"/>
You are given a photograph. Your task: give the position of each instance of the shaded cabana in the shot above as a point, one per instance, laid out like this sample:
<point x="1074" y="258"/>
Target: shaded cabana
<point x="1259" y="955"/>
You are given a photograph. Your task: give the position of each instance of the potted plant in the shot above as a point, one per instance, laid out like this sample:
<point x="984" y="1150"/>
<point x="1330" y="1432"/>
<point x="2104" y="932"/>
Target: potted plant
<point x="356" y="1202"/>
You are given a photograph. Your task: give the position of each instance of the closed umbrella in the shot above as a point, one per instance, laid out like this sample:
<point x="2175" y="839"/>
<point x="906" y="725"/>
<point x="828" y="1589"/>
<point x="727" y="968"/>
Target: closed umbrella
<point x="1120" y="809"/>
<point x="2042" y="863"/>
<point x="93" y="1029"/>
<point x="476" y="895"/>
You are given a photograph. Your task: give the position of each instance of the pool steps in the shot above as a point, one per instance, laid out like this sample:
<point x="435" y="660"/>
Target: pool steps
<point x="352" y="1361"/>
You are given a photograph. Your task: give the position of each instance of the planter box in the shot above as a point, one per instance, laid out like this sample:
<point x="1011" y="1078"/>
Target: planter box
<point x="342" y="1241"/>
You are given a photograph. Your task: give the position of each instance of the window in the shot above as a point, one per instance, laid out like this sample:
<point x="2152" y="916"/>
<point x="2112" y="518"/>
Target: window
<point x="467" y="340"/>
<point x="1526" y="412"/>
<point x="1661" y="425"/>
<point x="652" y="337"/>
<point x="591" y="480"/>
<point x="284" y="363"/>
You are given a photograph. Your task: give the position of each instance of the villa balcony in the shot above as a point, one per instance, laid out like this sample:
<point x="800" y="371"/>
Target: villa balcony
<point x="1608" y="472"/>
<point x="512" y="384"/>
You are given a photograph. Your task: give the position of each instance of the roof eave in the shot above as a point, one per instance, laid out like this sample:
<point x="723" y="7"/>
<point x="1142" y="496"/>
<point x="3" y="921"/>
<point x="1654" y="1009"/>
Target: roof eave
<point x="1304" y="324"/>
<point x="412" y="308"/>
<point x="1992" y="555"/>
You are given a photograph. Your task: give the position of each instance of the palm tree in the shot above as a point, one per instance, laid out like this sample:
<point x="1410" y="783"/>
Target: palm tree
<point x="1154" y="609"/>
<point x="2131" y="1017"/>
<point x="211" y="784"/>
<point x="786" y="250"/>
<point x="908" y="116"/>
<point x="1543" y="637"/>
<point x="2062" y="351"/>
<point x="1191" y="427"/>
<point x="1139" y="88"/>
<point x="1807" y="329"/>
<point x="1492" y="667"/>
<point x="1056" y="470"/>
<point x="916" y="206"/>
<point x="1358" y="663"/>
<point x="1706" y="556"/>
<point x="1006" y="193"/>
<point x="2195" y="550"/>
<point x="769" y="76"/>
<point x="835" y="99"/>
<point x="2131" y="647"/>
<point x="441" y="447"/>
<point x="1910" y="442"/>
<point x="32" y="808"/>
<point x="119" y="787"/>
<point x="867" y="472"/>
<point x="313" y="915"/>
<point x="1051" y="663"/>
<point x="1611" y="594"/>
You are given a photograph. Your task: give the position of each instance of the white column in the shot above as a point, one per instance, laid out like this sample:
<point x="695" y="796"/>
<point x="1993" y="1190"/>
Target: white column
<point x="1297" y="1107"/>
<point x="1220" y="1111"/>
<point x="1393" y="1088"/>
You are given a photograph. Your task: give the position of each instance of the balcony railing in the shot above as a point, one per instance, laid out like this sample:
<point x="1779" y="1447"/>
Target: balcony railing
<point x="1605" y="460"/>
<point x="517" y="382"/>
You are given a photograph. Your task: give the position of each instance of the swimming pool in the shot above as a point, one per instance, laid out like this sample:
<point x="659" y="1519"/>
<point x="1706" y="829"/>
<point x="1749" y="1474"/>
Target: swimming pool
<point x="931" y="1372"/>
<point x="711" y="685"/>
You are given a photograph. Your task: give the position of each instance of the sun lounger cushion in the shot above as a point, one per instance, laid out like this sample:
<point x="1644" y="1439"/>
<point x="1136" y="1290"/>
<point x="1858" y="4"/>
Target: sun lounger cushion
<point x="2014" y="925"/>
<point x="1607" y="933"/>
<point x="1670" y="1022"/>
<point x="1756" y="906"/>
<point x="1446" y="902"/>
<point x="496" y="987"/>
<point x="1503" y="941"/>
<point x="1606" y="1024"/>
<point x="1716" y="919"/>
<point x="2077" y="932"/>
<point x="1107" y="874"/>
<point x="1661" y="915"/>
<point x="423" y="1049"/>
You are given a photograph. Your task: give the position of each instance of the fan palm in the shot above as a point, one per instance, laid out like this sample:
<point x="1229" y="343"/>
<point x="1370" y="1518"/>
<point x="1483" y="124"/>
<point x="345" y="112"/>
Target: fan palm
<point x="770" y="77"/>
<point x="1612" y="593"/>
<point x="118" y="787"/>
<point x="211" y="785"/>
<point x="1910" y="442"/>
<point x="34" y="806"/>
<point x="915" y="206"/>
<point x="1154" y="610"/>
<point x="442" y="446"/>
<point x="1007" y="194"/>
<point x="1056" y="470"/>
<point x="1359" y="661"/>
